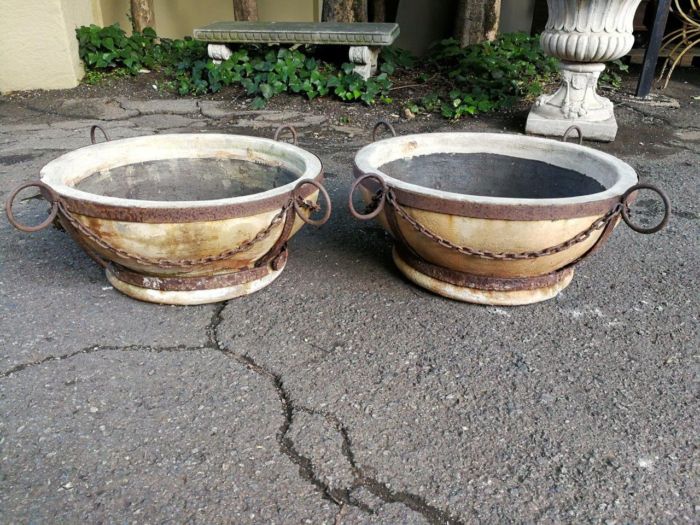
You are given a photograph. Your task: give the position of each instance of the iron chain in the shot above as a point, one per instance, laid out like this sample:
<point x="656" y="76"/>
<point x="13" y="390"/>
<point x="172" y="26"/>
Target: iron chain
<point x="185" y="263"/>
<point x="599" y="224"/>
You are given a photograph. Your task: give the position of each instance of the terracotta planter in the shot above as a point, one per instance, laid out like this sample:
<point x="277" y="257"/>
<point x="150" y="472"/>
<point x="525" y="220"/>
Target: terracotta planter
<point x="492" y="218"/>
<point x="187" y="218"/>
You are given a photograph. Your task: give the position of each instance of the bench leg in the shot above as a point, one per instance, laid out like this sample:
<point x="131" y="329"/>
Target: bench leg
<point x="218" y="52"/>
<point x="366" y="59"/>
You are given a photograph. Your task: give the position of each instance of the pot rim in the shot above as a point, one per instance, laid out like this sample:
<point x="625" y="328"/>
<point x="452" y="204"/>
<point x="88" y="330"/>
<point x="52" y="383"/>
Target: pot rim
<point x="62" y="173"/>
<point x="369" y="159"/>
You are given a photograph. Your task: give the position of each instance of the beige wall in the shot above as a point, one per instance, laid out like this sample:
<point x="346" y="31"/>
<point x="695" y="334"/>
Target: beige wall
<point x="177" y="18"/>
<point x="38" y="48"/>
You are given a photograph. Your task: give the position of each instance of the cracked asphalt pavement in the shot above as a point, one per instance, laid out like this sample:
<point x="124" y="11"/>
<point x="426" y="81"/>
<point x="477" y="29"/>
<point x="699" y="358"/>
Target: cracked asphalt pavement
<point x="341" y="393"/>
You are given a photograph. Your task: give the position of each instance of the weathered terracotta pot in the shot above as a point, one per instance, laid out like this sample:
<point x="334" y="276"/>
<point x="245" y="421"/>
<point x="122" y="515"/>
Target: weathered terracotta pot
<point x="187" y="218"/>
<point x="492" y="218"/>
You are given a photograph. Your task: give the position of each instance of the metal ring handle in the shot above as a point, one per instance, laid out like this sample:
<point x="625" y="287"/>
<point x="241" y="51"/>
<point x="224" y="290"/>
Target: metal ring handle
<point x="290" y="128"/>
<point x="322" y="191"/>
<point x="567" y="134"/>
<point x="379" y="124"/>
<point x="380" y="204"/>
<point x="46" y="192"/>
<point x="660" y="193"/>
<point x="94" y="128"/>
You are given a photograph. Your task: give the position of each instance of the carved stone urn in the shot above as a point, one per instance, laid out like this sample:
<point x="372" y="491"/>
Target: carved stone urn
<point x="583" y="34"/>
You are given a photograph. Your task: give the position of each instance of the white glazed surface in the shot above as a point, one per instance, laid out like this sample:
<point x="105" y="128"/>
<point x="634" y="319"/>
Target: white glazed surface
<point x="63" y="173"/>
<point x="611" y="172"/>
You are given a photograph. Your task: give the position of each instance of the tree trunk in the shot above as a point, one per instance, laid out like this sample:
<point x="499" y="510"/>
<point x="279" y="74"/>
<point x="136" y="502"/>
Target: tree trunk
<point x="344" y="11"/>
<point x="245" y="10"/>
<point x="378" y="10"/>
<point x="477" y="20"/>
<point x="142" y="15"/>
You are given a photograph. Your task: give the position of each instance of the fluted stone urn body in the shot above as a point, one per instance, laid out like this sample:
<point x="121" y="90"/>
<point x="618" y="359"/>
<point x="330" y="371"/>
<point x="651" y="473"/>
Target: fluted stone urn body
<point x="583" y="34"/>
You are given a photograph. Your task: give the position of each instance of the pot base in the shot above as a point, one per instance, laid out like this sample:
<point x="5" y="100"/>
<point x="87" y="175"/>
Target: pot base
<point x="482" y="290"/>
<point x="192" y="290"/>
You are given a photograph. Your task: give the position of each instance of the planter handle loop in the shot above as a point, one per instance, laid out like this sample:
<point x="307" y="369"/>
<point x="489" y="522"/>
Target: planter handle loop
<point x="379" y="124"/>
<point x="568" y="132"/>
<point x="287" y="127"/>
<point x="93" y="129"/>
<point x="625" y="208"/>
<point x="300" y="203"/>
<point x="379" y="198"/>
<point x="46" y="192"/>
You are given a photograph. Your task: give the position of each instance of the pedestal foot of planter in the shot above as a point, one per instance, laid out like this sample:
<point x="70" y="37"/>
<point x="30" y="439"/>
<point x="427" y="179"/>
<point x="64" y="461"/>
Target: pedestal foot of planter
<point x="484" y="290"/>
<point x="603" y="131"/>
<point x="575" y="103"/>
<point x="192" y="290"/>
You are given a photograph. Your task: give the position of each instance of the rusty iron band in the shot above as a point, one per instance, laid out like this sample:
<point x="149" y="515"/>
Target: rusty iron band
<point x="283" y="215"/>
<point x="167" y="215"/>
<point x="480" y="282"/>
<point x="187" y="284"/>
<point x="176" y="215"/>
<point x="483" y="210"/>
<point x="386" y="200"/>
<point x="295" y="206"/>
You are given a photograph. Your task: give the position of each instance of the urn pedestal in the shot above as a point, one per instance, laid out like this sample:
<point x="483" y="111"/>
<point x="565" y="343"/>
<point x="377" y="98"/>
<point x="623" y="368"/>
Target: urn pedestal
<point x="583" y="35"/>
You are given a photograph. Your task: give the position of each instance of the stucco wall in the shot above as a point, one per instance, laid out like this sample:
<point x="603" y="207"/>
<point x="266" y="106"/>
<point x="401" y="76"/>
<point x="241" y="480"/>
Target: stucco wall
<point x="177" y="18"/>
<point x="38" y="48"/>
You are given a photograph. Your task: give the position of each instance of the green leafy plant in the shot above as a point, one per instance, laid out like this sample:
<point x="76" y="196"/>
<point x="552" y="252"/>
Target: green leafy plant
<point x="488" y="76"/>
<point x="262" y="72"/>
<point x="611" y="78"/>
<point x="108" y="48"/>
<point x="393" y="58"/>
<point x="463" y="81"/>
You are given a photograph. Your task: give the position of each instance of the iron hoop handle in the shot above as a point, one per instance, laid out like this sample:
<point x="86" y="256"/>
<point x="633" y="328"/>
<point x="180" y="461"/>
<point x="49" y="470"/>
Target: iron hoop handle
<point x="378" y="125"/>
<point x="664" y="199"/>
<point x="93" y="129"/>
<point x="380" y="204"/>
<point x="567" y="134"/>
<point x="46" y="192"/>
<point x="297" y="207"/>
<point x="287" y="127"/>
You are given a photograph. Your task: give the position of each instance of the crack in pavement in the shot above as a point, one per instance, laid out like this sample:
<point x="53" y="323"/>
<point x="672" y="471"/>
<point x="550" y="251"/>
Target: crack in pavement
<point x="338" y="496"/>
<point x="99" y="348"/>
<point x="341" y="497"/>
<point x="416" y="503"/>
<point x="139" y="113"/>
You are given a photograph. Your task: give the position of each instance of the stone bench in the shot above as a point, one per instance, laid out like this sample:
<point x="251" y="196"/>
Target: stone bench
<point x="364" y="39"/>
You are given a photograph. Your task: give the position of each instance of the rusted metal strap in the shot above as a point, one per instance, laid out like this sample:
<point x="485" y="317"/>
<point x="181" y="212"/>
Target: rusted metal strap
<point x="280" y="245"/>
<point x="187" y="284"/>
<point x="169" y="263"/>
<point x="598" y="224"/>
<point x="167" y="215"/>
<point x="480" y="282"/>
